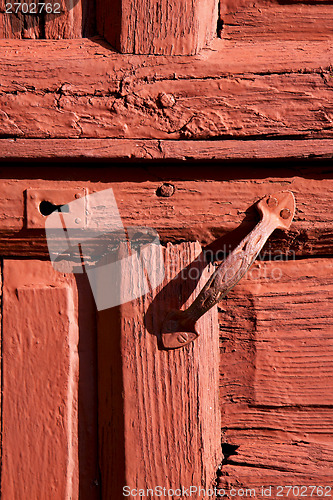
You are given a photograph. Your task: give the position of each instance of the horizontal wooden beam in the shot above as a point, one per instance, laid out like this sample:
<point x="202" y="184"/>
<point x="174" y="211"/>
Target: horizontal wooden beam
<point x="157" y="27"/>
<point x="267" y="20"/>
<point x="129" y="149"/>
<point x="272" y="89"/>
<point x="206" y="203"/>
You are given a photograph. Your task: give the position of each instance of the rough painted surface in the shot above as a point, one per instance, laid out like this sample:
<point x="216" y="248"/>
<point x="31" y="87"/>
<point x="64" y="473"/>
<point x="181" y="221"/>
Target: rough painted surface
<point x="157" y="27"/>
<point x="276" y="334"/>
<point x="45" y="445"/>
<point x="140" y="27"/>
<point x="276" y="358"/>
<point x="161" y="407"/>
<point x="40" y="403"/>
<point x="265" y="20"/>
<point x="270" y="89"/>
<point x="204" y="209"/>
<point x="129" y="149"/>
<point x="77" y="18"/>
<point x="276" y="350"/>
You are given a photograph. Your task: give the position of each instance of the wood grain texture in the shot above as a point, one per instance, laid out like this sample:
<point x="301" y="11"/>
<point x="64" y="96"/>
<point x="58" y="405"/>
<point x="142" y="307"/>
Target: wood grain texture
<point x="285" y="309"/>
<point x="276" y="376"/>
<point x="270" y="465"/>
<point x="272" y="89"/>
<point x="204" y="209"/>
<point x="77" y="18"/>
<point x="151" y="27"/>
<point x="263" y="21"/>
<point x="49" y="413"/>
<point x="40" y="407"/>
<point x="128" y="149"/>
<point x="168" y="419"/>
<point x="284" y="423"/>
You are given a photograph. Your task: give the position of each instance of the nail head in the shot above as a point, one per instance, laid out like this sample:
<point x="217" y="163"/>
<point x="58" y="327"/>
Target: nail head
<point x="272" y="202"/>
<point x="285" y="213"/>
<point x="166" y="100"/>
<point x="166" y="190"/>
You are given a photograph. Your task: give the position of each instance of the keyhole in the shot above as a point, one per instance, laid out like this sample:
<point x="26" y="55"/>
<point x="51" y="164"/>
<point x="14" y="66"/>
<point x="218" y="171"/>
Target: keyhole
<point x="47" y="208"/>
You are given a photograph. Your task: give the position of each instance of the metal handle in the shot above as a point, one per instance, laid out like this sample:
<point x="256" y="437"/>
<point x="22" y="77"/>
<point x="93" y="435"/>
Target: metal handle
<point x="276" y="212"/>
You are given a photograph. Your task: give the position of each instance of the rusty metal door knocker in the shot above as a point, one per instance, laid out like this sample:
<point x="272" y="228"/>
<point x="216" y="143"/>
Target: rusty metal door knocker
<point x="277" y="212"/>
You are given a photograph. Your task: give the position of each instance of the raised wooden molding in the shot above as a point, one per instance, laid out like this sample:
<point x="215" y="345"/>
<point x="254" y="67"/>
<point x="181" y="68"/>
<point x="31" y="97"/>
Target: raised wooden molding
<point x="159" y="415"/>
<point x="157" y="27"/>
<point x="40" y="425"/>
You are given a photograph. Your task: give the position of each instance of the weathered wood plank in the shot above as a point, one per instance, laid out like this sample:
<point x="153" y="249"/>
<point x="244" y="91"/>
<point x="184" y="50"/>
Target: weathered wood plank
<point x="246" y="424"/>
<point x="66" y="58"/>
<point x="163" y="404"/>
<point x="272" y="20"/>
<point x="41" y="403"/>
<point x="204" y="209"/>
<point x="260" y="105"/>
<point x="74" y="20"/>
<point x="272" y="465"/>
<point x="124" y="149"/>
<point x="279" y="319"/>
<point x="238" y="92"/>
<point x="49" y="413"/>
<point x="276" y="378"/>
<point x="164" y="27"/>
<point x="292" y="459"/>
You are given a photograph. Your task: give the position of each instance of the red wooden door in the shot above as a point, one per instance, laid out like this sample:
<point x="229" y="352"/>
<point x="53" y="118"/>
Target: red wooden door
<point x="90" y="403"/>
<point x="64" y="434"/>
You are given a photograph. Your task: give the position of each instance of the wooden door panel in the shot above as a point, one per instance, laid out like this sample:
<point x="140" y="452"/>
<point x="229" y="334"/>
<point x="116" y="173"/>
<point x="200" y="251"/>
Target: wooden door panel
<point x="275" y="332"/>
<point x="41" y="445"/>
<point x="159" y="412"/>
<point x="285" y="340"/>
<point x="277" y="329"/>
